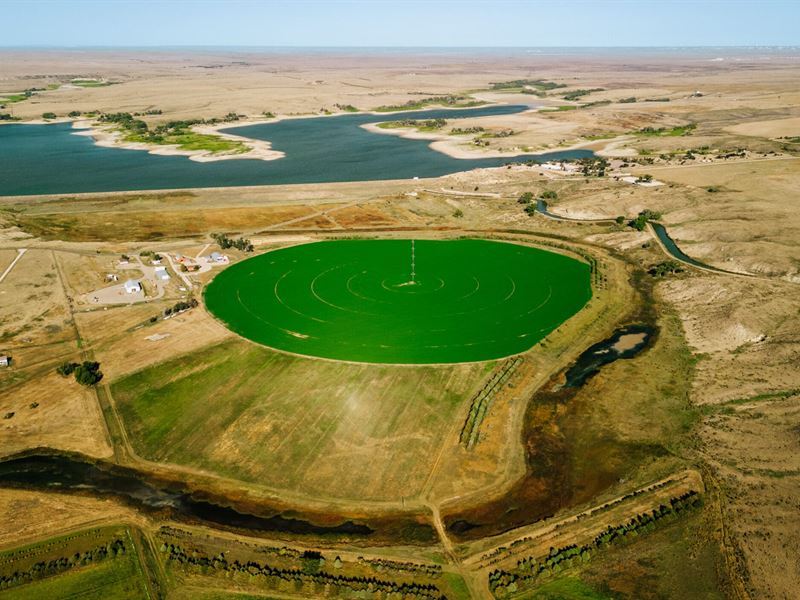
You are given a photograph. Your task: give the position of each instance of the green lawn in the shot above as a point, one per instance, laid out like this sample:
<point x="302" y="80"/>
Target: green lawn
<point x="470" y="300"/>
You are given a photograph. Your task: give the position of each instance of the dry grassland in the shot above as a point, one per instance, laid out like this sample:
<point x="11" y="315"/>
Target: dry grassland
<point x="151" y="226"/>
<point x="33" y="516"/>
<point x="53" y="412"/>
<point x="130" y="350"/>
<point x="751" y="224"/>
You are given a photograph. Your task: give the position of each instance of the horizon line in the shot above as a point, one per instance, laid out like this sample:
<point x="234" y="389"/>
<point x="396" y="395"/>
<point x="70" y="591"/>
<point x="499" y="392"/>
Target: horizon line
<point x="399" y="47"/>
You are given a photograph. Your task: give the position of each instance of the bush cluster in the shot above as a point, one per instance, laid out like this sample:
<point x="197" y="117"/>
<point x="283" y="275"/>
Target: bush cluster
<point x="666" y="267"/>
<point x="643" y="218"/>
<point x="86" y="373"/>
<point x="225" y="242"/>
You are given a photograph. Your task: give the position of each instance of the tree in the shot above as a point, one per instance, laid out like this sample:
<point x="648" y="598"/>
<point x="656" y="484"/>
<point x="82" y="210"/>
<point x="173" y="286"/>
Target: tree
<point x="549" y="195"/>
<point x="620" y="220"/>
<point x="74" y="113"/>
<point x="530" y="210"/>
<point x="88" y="373"/>
<point x="641" y="220"/>
<point x="525" y="198"/>
<point x="49" y="115"/>
<point x="458" y="213"/>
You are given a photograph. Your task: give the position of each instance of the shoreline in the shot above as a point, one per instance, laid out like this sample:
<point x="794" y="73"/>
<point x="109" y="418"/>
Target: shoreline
<point x="108" y="138"/>
<point x="453" y="146"/>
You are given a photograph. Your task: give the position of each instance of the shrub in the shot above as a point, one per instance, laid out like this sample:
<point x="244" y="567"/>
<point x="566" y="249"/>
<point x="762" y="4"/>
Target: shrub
<point x="66" y="369"/>
<point x="525" y="198"/>
<point x="49" y="115"/>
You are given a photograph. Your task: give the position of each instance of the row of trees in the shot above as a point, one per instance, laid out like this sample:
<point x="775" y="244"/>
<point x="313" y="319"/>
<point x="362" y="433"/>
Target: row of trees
<point x="86" y="373"/>
<point x="481" y="401"/>
<point x="56" y="566"/>
<point x="308" y="580"/>
<point x="179" y="307"/>
<point x="225" y="242"/>
<point x="384" y="564"/>
<point x="528" y="570"/>
<point x="575" y="94"/>
<point x="466" y="130"/>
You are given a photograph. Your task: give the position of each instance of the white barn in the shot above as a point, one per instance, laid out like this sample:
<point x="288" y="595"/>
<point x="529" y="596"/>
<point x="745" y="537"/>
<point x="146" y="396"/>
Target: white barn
<point x="132" y="286"/>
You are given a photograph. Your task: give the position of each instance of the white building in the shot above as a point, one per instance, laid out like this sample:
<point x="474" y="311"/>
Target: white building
<point x="161" y="273"/>
<point x="218" y="258"/>
<point x="5" y="361"/>
<point x="132" y="286"/>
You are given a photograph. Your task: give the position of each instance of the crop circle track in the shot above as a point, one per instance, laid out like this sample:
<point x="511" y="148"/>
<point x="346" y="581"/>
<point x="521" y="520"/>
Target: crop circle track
<point x="355" y="300"/>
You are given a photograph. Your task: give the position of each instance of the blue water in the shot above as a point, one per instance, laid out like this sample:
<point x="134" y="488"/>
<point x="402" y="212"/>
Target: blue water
<point x="48" y="159"/>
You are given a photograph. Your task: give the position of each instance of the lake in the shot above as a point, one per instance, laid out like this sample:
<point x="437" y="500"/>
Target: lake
<point x="49" y="159"/>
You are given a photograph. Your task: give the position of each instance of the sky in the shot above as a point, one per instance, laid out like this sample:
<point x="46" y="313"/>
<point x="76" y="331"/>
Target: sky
<point x="410" y="23"/>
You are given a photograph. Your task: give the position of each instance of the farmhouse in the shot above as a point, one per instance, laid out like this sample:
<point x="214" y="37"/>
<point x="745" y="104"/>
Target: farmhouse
<point x="132" y="286"/>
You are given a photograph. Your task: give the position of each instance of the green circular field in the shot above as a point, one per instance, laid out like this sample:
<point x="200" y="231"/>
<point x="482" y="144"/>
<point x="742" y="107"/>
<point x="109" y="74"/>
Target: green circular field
<point x="357" y="300"/>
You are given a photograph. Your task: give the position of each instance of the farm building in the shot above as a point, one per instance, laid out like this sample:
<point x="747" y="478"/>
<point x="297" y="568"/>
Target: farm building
<point x="161" y="273"/>
<point x="218" y="258"/>
<point x="5" y="361"/>
<point x="132" y="286"/>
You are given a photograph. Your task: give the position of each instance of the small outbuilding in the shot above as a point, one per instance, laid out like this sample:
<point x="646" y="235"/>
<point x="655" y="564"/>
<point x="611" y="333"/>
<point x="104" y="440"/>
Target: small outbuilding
<point x="217" y="257"/>
<point x="132" y="286"/>
<point x="161" y="273"/>
<point x="5" y="360"/>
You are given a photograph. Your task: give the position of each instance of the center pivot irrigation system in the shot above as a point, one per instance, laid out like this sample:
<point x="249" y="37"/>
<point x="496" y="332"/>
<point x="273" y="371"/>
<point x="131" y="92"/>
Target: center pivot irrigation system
<point x="465" y="301"/>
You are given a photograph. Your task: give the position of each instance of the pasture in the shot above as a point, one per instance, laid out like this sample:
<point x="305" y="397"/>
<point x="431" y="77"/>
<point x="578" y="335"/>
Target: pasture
<point x="326" y="428"/>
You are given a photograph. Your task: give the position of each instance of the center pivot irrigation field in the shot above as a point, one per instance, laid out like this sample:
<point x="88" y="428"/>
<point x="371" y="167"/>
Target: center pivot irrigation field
<point x="401" y="301"/>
